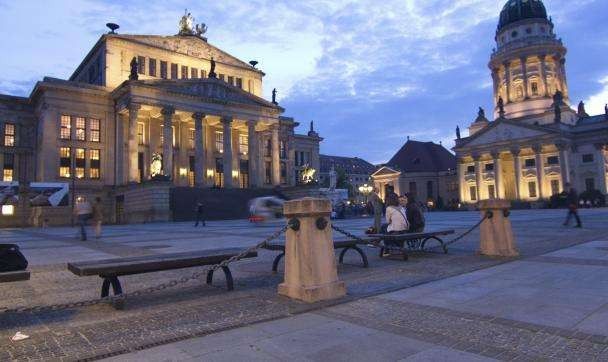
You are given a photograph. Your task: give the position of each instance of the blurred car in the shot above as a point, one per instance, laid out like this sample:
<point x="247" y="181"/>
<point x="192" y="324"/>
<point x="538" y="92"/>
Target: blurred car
<point x="265" y="208"/>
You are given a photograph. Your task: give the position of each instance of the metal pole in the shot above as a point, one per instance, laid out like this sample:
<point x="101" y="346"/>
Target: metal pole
<point x="73" y="174"/>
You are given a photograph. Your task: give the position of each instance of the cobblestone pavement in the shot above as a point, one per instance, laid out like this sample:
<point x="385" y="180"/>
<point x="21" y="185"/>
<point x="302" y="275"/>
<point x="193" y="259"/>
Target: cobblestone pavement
<point x="196" y="310"/>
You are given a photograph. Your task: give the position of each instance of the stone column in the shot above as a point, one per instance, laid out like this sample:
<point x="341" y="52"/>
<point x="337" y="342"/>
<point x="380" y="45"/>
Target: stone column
<point x="540" y="171"/>
<point x="478" y="176"/>
<point x="496" y="233"/>
<point x="168" y="113"/>
<point x="601" y="163"/>
<point x="517" y="167"/>
<point x="524" y="72"/>
<point x="558" y="71"/>
<point x="496" y="81"/>
<point x="227" y="123"/>
<point x="564" y="164"/>
<point x="461" y="180"/>
<point x="276" y="160"/>
<point x="507" y="66"/>
<point x="498" y="186"/>
<point x="311" y="274"/>
<point x="253" y="153"/>
<point x="133" y="146"/>
<point x="543" y="74"/>
<point x="199" y="153"/>
<point x="564" y="81"/>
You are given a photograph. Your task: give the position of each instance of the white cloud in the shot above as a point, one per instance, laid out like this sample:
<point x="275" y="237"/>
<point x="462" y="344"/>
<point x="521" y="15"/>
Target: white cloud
<point x="595" y="104"/>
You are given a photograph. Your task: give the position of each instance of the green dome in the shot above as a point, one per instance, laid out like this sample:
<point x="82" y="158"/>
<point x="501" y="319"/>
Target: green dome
<point x="516" y="10"/>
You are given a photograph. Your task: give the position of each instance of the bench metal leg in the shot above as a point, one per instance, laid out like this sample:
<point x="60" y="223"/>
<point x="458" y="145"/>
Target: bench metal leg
<point x="358" y="250"/>
<point x="116" y="290"/>
<point x="443" y="246"/>
<point x="227" y="273"/>
<point x="275" y="263"/>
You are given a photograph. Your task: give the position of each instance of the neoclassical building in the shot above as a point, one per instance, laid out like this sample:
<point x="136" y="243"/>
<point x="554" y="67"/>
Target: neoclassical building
<point x="149" y="107"/>
<point x="537" y="143"/>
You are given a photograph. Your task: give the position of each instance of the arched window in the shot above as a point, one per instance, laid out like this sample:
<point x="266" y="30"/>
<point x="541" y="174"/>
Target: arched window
<point x="534" y="87"/>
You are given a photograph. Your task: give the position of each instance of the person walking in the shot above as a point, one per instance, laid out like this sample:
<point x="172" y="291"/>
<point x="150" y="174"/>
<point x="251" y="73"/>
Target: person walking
<point x="200" y="214"/>
<point x="97" y="216"/>
<point x="83" y="211"/>
<point x="377" y="207"/>
<point x="572" y="201"/>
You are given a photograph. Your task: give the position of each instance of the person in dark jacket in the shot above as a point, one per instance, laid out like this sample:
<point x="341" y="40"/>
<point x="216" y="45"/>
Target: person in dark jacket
<point x="572" y="202"/>
<point x="414" y="213"/>
<point x="200" y="214"/>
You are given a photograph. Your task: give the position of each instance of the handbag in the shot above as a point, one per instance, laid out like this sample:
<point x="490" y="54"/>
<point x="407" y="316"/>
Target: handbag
<point x="11" y="258"/>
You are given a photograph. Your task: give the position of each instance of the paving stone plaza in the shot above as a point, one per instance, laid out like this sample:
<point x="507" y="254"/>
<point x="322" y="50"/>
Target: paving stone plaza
<point x="550" y="303"/>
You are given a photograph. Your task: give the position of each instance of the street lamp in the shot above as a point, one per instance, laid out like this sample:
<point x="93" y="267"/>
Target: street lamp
<point x="366" y="189"/>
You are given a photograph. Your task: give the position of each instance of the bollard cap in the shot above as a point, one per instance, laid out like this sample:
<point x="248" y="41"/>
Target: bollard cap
<point x="491" y="204"/>
<point x="308" y="206"/>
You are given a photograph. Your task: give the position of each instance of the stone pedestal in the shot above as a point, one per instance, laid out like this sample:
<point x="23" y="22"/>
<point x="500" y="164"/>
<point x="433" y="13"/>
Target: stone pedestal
<point x="311" y="274"/>
<point x="496" y="233"/>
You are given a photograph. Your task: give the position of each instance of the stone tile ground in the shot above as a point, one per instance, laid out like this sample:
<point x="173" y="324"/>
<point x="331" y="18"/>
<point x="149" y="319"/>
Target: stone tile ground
<point x="196" y="310"/>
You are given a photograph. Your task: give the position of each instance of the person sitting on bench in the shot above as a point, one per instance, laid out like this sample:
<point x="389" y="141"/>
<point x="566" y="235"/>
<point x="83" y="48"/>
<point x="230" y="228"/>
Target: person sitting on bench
<point x="395" y="216"/>
<point x="414" y="215"/>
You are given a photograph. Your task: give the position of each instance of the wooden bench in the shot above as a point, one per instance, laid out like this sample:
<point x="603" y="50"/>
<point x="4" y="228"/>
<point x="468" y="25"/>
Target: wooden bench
<point x="14" y="276"/>
<point x="111" y="269"/>
<point x="345" y="245"/>
<point x="410" y="242"/>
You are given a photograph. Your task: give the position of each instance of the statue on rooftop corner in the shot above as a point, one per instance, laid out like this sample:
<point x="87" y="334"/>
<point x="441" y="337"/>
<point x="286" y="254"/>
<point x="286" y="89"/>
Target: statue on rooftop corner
<point x="274" y="96"/>
<point x="201" y="29"/>
<point x="212" y="69"/>
<point x="457" y="132"/>
<point x="606" y="111"/>
<point x="186" y="24"/>
<point x="581" y="110"/>
<point x="501" y="107"/>
<point x="481" y="112"/>
<point x="133" y="75"/>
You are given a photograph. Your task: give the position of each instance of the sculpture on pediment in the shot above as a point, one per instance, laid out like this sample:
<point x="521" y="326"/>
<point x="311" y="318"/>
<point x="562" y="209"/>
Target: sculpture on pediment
<point x="581" y="110"/>
<point x="212" y="70"/>
<point x="200" y="29"/>
<point x="187" y="26"/>
<point x="274" y="96"/>
<point x="133" y="75"/>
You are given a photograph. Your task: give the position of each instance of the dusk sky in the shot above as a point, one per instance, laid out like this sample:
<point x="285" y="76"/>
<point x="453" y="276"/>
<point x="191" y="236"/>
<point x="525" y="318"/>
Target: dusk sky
<point x="369" y="73"/>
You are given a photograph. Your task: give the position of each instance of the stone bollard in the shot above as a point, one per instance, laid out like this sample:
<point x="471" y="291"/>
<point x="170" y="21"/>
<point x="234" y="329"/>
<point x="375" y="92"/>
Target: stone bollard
<point x="311" y="274"/>
<point x="496" y="233"/>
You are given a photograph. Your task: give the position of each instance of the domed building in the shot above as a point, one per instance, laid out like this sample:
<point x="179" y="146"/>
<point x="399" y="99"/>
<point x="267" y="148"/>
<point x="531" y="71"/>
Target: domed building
<point x="537" y="143"/>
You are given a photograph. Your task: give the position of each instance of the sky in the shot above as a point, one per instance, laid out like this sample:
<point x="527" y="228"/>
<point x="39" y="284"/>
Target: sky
<point x="369" y="73"/>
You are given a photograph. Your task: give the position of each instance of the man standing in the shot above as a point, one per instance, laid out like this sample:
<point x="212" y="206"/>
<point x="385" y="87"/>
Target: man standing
<point x="572" y="202"/>
<point x="97" y="216"/>
<point x="377" y="206"/>
<point x="200" y="214"/>
<point x="83" y="211"/>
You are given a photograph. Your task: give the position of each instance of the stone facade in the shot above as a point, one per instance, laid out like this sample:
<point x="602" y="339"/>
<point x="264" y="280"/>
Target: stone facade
<point x="106" y="126"/>
<point x="537" y="142"/>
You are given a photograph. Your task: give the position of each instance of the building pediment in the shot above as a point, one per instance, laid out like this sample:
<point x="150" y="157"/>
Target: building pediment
<point x="386" y="171"/>
<point x="505" y="131"/>
<point x="206" y="90"/>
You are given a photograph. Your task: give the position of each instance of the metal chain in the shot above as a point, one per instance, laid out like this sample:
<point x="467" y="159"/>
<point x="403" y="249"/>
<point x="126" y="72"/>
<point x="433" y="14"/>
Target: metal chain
<point x="350" y="235"/>
<point x="120" y="298"/>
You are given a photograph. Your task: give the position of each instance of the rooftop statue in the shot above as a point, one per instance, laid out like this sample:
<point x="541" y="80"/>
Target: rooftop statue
<point x="581" y="110"/>
<point x="212" y="70"/>
<point x="501" y="107"/>
<point x="481" y="112"/>
<point x="187" y="26"/>
<point x="134" y="74"/>
<point x="606" y="111"/>
<point x="457" y="132"/>
<point x="274" y="96"/>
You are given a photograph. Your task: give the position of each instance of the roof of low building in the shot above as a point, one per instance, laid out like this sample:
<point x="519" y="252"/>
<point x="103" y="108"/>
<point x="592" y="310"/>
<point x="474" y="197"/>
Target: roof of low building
<point x="351" y="165"/>
<point x="417" y="156"/>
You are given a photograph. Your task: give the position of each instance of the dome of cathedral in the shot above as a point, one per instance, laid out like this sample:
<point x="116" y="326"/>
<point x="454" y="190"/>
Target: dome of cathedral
<point x="516" y="10"/>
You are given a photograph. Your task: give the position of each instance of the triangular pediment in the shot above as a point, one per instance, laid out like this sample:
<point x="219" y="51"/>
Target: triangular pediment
<point x="193" y="46"/>
<point x="385" y="171"/>
<point x="210" y="90"/>
<point x="505" y="131"/>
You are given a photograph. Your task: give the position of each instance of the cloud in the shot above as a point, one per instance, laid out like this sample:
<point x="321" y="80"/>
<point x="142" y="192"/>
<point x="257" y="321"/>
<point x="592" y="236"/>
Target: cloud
<point x="595" y="103"/>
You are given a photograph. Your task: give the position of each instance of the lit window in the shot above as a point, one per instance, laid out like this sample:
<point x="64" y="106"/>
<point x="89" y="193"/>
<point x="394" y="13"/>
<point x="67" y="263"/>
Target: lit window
<point x="80" y="128"/>
<point x="65" y="162"/>
<point x="219" y="141"/>
<point x="191" y="138"/>
<point x="66" y="128"/>
<point x="95" y="164"/>
<point x="140" y="133"/>
<point x="9" y="135"/>
<point x="80" y="163"/>
<point x="9" y="165"/>
<point x="8" y="210"/>
<point x="94" y="128"/>
<point x="7" y="175"/>
<point x="535" y="88"/>
<point x="193" y="73"/>
<point x="473" y="193"/>
<point x="532" y="189"/>
<point x="243" y="144"/>
<point x="162" y="135"/>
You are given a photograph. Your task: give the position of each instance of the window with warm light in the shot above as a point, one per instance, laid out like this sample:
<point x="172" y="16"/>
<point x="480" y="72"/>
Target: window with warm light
<point x="65" y="162"/>
<point x="9" y="166"/>
<point x="8" y="210"/>
<point x="80" y="163"/>
<point x="65" y="132"/>
<point x="193" y="73"/>
<point x="191" y="138"/>
<point x="219" y="141"/>
<point x="80" y="128"/>
<point x="94" y="130"/>
<point x="94" y="164"/>
<point x="140" y="133"/>
<point x="162" y="135"/>
<point x="9" y="135"/>
<point x="243" y="144"/>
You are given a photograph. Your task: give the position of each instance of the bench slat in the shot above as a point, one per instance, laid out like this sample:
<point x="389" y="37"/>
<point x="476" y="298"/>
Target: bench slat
<point x="412" y="236"/>
<point x="14" y="276"/>
<point x="153" y="263"/>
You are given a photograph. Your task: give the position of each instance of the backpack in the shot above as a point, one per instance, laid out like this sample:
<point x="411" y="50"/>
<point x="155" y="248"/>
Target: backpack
<point x="11" y="258"/>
